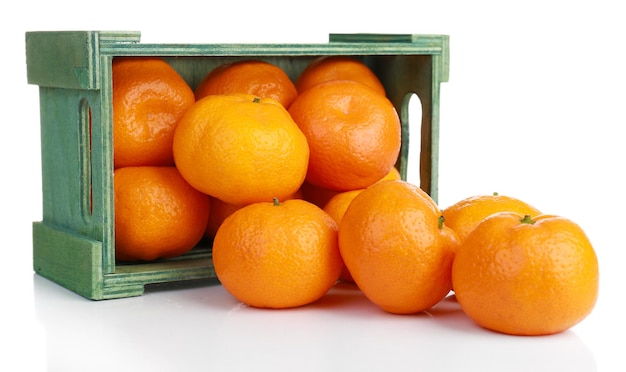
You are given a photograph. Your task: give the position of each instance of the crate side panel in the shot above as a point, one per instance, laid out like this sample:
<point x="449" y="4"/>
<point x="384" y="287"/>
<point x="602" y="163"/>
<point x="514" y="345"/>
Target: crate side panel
<point x="417" y="46"/>
<point x="131" y="279"/>
<point x="160" y="271"/>
<point x="370" y="38"/>
<point x="440" y="73"/>
<point x="194" y="69"/>
<point x="402" y="76"/>
<point x="102" y="166"/>
<point x="63" y="159"/>
<point x="72" y="261"/>
<point x="94" y="179"/>
<point x="62" y="59"/>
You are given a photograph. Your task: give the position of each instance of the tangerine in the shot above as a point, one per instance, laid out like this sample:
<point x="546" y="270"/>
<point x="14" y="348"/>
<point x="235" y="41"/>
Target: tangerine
<point x="321" y="196"/>
<point x="352" y="131"/>
<point x="394" y="174"/>
<point x="149" y="98"/>
<point x="396" y="247"/>
<point x="337" y="205"/>
<point x="219" y="211"/>
<point x="256" y="77"/>
<point x="277" y="255"/>
<point x="464" y="215"/>
<point x="328" y="68"/>
<point x="526" y="276"/>
<point x="157" y="213"/>
<point x="241" y="149"/>
<point x="336" y="208"/>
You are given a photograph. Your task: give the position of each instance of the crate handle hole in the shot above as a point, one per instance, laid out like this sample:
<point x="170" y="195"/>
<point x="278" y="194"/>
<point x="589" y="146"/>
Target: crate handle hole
<point x="84" y="150"/>
<point x="412" y="126"/>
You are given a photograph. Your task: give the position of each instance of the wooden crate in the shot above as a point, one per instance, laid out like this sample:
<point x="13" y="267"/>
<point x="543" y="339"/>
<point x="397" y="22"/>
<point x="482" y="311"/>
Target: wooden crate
<point x="74" y="244"/>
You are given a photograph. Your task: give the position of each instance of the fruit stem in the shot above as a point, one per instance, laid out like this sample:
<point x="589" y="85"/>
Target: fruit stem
<point x="527" y="219"/>
<point x="276" y="202"/>
<point x="440" y="221"/>
<point x="256" y="100"/>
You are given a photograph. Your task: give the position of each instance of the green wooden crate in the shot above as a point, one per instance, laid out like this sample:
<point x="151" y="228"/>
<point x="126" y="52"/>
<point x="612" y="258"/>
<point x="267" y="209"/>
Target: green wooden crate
<point x="74" y="244"/>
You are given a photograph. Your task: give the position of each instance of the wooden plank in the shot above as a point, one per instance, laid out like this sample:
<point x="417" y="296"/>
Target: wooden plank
<point x="73" y="261"/>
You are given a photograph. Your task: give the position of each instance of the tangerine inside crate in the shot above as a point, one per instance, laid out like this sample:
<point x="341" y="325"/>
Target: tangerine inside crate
<point x="74" y="244"/>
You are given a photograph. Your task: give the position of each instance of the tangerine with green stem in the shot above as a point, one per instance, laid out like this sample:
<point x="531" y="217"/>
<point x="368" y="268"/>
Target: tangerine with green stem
<point x="526" y="275"/>
<point x="277" y="254"/>
<point x="397" y="248"/>
<point x="241" y="149"/>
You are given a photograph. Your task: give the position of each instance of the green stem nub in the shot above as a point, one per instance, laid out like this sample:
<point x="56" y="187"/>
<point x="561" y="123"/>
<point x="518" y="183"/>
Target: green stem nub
<point x="276" y="202"/>
<point x="527" y="219"/>
<point x="256" y="100"/>
<point x="441" y="221"/>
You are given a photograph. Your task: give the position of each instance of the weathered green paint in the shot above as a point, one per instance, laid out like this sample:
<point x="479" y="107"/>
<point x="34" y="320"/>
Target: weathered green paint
<point x="70" y="259"/>
<point x="74" y="244"/>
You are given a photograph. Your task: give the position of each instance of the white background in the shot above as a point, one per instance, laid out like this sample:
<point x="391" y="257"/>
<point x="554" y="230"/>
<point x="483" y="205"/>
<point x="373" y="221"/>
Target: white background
<point x="534" y="108"/>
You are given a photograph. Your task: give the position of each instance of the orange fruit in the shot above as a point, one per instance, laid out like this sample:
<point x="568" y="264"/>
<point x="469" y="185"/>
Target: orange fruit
<point x="396" y="247"/>
<point x="241" y="149"/>
<point x="393" y="174"/>
<point x="157" y="213"/>
<point x="464" y="215"/>
<point x="255" y="77"/>
<point x="328" y="68"/>
<point x="219" y="212"/>
<point x="353" y="134"/>
<point x="149" y="97"/>
<point x="321" y="196"/>
<point x="526" y="276"/>
<point x="277" y="255"/>
<point x="338" y="204"/>
<point x="336" y="208"/>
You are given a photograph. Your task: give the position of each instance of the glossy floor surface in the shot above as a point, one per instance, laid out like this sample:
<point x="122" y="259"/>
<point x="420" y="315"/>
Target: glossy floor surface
<point x="201" y="327"/>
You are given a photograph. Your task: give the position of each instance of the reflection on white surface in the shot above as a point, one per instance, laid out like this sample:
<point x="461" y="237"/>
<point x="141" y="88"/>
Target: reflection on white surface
<point x="202" y="327"/>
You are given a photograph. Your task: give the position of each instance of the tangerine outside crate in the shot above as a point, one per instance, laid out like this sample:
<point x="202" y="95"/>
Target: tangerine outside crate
<point x="74" y="244"/>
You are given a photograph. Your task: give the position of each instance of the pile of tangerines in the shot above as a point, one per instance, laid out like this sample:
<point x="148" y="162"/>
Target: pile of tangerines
<point x="295" y="186"/>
